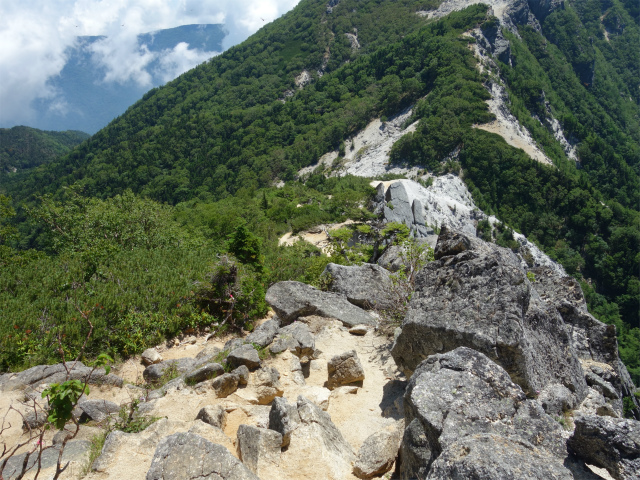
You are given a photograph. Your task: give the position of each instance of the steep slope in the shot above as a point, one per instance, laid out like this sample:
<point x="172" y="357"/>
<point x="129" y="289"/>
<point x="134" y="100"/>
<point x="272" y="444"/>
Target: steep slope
<point x="307" y="85"/>
<point x="22" y="148"/>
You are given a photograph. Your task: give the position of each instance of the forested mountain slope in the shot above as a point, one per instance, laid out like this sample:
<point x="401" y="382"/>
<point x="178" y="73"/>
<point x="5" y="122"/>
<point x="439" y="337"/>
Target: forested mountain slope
<point x="214" y="140"/>
<point x="23" y="147"/>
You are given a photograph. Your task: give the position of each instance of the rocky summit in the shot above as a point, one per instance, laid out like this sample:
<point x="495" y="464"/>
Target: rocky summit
<point x="495" y="372"/>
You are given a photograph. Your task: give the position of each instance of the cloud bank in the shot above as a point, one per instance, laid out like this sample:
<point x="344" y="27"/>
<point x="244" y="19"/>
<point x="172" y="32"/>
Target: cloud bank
<point x="36" y="34"/>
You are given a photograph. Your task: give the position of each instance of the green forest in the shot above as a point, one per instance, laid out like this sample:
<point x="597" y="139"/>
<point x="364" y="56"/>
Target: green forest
<point x="147" y="226"/>
<point x="24" y="147"/>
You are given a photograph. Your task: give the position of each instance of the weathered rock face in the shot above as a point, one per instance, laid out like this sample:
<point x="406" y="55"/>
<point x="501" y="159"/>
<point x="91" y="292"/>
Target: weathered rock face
<point x="56" y="374"/>
<point x="592" y="340"/>
<point x="609" y="443"/>
<point x="309" y="432"/>
<point x="259" y="448"/>
<point x="461" y="403"/>
<point x="479" y="297"/>
<point x="291" y="300"/>
<point x="185" y="456"/>
<point x="284" y="418"/>
<point x="493" y="457"/>
<point x="366" y="286"/>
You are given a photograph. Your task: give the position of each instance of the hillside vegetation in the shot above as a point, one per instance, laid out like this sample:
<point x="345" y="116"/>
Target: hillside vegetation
<point x="137" y="220"/>
<point x="24" y="147"/>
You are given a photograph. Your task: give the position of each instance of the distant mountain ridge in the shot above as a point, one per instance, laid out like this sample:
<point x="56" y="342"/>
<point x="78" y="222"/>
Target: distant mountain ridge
<point x="86" y="102"/>
<point x="22" y="148"/>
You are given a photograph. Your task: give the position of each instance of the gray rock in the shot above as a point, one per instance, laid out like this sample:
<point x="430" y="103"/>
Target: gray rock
<point x="493" y="457"/>
<point x="57" y="374"/>
<point x="266" y="383"/>
<point x="591" y="339"/>
<point x="150" y="357"/>
<point x="315" y="422"/>
<point x="243" y="374"/>
<point x="34" y="419"/>
<point x="295" y="337"/>
<point x="296" y="371"/>
<point x="175" y="458"/>
<point x="245" y="355"/>
<point x="225" y="384"/>
<point x="462" y="394"/>
<point x="451" y="243"/>
<point x="556" y="399"/>
<point x="153" y="373"/>
<point x="263" y="334"/>
<point x="481" y="299"/>
<point x="233" y="344"/>
<point x="75" y="450"/>
<point x="259" y="448"/>
<point x="343" y="369"/>
<point x="171" y="386"/>
<point x="601" y="385"/>
<point x="213" y="415"/>
<point x="206" y="372"/>
<point x="291" y="300"/>
<point x="377" y="454"/>
<point x="97" y="410"/>
<point x="367" y="286"/>
<point x="207" y="355"/>
<point x="392" y="258"/>
<point x="284" y="418"/>
<point x="609" y="443"/>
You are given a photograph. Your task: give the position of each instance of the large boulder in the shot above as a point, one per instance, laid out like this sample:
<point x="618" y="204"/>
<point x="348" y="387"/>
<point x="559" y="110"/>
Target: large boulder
<point x="259" y="448"/>
<point x="263" y="334"/>
<point x="57" y="374"/>
<point x="206" y="372"/>
<point x="462" y="401"/>
<point x="266" y="383"/>
<point x="378" y="453"/>
<point x="97" y="410"/>
<point x="225" y="384"/>
<point x="309" y="433"/>
<point x="213" y="415"/>
<point x="284" y="418"/>
<point x="592" y="340"/>
<point x="244" y="355"/>
<point x="186" y="456"/>
<point x="179" y="366"/>
<point x="296" y="338"/>
<point x="609" y="443"/>
<point x="367" y="286"/>
<point x="492" y="457"/>
<point x="291" y="300"/>
<point x="477" y="295"/>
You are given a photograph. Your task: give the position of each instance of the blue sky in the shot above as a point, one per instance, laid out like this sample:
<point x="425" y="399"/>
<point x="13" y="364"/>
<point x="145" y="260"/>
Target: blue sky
<point x="35" y="34"/>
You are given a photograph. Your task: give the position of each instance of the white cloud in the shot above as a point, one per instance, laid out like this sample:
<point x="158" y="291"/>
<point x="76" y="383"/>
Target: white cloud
<point x="35" y="34"/>
<point x="177" y="61"/>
